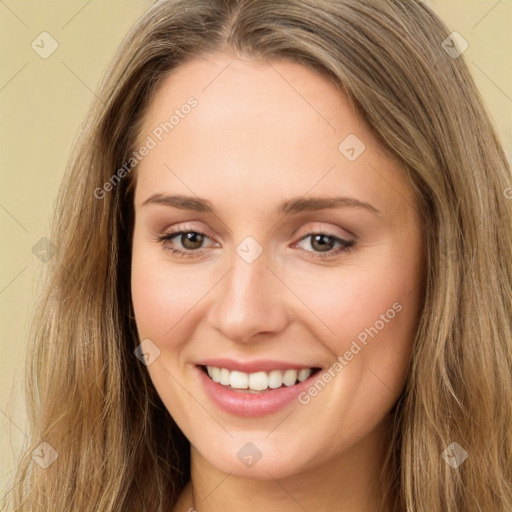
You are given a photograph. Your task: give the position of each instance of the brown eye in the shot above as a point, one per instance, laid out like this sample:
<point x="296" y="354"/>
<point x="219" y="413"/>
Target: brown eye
<point x="184" y="243"/>
<point x="191" y="240"/>
<point x="324" y="245"/>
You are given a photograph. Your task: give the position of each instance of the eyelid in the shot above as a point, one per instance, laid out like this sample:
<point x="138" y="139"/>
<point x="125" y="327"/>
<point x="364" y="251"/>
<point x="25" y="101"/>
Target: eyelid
<point x="186" y="227"/>
<point x="317" y="228"/>
<point x="311" y="229"/>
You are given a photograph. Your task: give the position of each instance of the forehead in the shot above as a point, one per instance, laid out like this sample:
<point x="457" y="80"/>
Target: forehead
<point x="265" y="125"/>
<point x="229" y="88"/>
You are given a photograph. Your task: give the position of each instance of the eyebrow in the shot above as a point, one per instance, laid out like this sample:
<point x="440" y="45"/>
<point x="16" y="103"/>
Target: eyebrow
<point x="290" y="206"/>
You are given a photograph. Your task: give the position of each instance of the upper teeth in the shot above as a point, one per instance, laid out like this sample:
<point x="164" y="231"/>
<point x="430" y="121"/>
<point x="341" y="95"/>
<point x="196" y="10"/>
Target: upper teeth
<point x="257" y="381"/>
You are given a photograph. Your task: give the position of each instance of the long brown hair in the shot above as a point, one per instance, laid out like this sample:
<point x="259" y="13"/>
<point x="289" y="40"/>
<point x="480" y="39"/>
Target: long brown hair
<point x="91" y="399"/>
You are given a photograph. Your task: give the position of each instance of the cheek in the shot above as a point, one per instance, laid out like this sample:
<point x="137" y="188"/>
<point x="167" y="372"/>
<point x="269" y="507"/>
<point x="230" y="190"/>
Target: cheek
<point x="162" y="302"/>
<point x="371" y="320"/>
<point x="152" y="300"/>
<point x="356" y="298"/>
<point x="162" y="297"/>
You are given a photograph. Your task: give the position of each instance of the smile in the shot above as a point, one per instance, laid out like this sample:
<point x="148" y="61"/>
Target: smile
<point x="258" y="381"/>
<point x="253" y="389"/>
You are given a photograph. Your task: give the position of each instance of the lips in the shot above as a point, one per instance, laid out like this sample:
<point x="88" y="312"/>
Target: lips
<point x="264" y="365"/>
<point x="253" y="388"/>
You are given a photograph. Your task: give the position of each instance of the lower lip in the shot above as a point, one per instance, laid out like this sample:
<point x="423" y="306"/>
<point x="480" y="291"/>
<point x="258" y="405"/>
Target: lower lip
<point x="241" y="403"/>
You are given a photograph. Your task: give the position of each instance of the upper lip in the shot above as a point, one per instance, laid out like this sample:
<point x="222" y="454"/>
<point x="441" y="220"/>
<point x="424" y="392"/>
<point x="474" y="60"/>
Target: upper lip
<point x="260" y="365"/>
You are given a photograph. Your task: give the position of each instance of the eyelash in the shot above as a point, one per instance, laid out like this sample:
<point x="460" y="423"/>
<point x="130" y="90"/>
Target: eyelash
<point x="346" y="245"/>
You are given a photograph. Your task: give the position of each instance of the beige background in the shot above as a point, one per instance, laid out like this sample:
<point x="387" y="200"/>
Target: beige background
<point x="42" y="102"/>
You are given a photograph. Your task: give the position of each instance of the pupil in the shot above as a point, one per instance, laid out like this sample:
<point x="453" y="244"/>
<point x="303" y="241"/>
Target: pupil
<point x="194" y="239"/>
<point x="323" y="241"/>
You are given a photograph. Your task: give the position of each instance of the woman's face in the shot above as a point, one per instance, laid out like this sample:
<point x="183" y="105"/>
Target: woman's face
<point x="304" y="252"/>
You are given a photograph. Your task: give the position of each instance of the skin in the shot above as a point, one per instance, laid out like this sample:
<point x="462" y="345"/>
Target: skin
<point x="262" y="133"/>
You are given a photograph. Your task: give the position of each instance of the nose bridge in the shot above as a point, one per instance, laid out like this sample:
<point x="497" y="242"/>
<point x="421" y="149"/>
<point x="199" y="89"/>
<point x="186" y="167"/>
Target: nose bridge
<point x="249" y="300"/>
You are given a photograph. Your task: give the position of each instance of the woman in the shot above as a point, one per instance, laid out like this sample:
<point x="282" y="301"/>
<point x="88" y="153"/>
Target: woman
<point x="283" y="279"/>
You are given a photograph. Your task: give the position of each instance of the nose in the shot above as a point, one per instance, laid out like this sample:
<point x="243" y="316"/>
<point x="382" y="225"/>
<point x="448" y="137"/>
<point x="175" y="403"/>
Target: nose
<point x="250" y="300"/>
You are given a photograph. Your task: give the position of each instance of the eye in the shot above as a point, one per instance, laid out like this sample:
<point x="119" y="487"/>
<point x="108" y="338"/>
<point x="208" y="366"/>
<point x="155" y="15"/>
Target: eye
<point x="324" y="243"/>
<point x="190" y="240"/>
